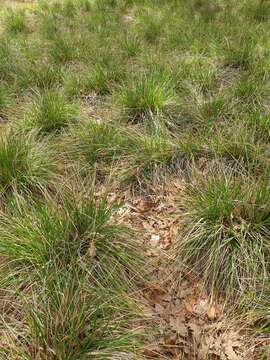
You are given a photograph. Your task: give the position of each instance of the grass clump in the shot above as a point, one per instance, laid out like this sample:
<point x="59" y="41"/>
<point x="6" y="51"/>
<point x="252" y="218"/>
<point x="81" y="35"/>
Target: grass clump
<point x="63" y="49"/>
<point x="50" y="112"/>
<point x="152" y="28"/>
<point x="7" y="64"/>
<point x="239" y="146"/>
<point x="80" y="231"/>
<point x="4" y="99"/>
<point x="134" y="154"/>
<point x="73" y="320"/>
<point x="40" y="75"/>
<point x="151" y="93"/>
<point x="25" y="163"/>
<point x="131" y="45"/>
<point x="100" y="79"/>
<point x="240" y="53"/>
<point x="16" y="21"/>
<point x="148" y="154"/>
<point x="99" y="142"/>
<point x="81" y="265"/>
<point x="227" y="231"/>
<point x="258" y="11"/>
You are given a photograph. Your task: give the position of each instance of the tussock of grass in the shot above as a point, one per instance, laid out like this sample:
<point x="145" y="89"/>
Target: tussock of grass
<point x="259" y="11"/>
<point x="151" y="93"/>
<point x="131" y="45"/>
<point x="99" y="142"/>
<point x="81" y="264"/>
<point x="100" y="79"/>
<point x="227" y="231"/>
<point x="240" y="53"/>
<point x="40" y="235"/>
<point x="7" y="64"/>
<point x="147" y="153"/>
<point x="135" y="154"/>
<point x="63" y="49"/>
<point x="50" y="112"/>
<point x="239" y="145"/>
<point x="73" y="320"/>
<point x="151" y="25"/>
<point x="5" y="99"/>
<point x="26" y="164"/>
<point x="16" y="21"/>
<point x="40" y="75"/>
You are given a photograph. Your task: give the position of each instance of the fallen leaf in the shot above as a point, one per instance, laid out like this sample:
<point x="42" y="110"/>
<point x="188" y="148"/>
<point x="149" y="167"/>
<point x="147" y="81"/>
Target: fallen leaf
<point x="155" y="295"/>
<point x="159" y="309"/>
<point x="229" y="351"/>
<point x="196" y="331"/>
<point x="144" y="205"/>
<point x="154" y="239"/>
<point x="201" y="307"/>
<point x="170" y="340"/>
<point x="212" y="312"/>
<point x="189" y="307"/>
<point x="178" y="325"/>
<point x="92" y="250"/>
<point x="152" y="351"/>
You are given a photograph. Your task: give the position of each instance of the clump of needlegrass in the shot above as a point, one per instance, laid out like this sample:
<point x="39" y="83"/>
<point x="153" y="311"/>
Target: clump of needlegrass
<point x="239" y="145"/>
<point x="16" y="21"/>
<point x="147" y="153"/>
<point x="50" y="112"/>
<point x="72" y="319"/>
<point x="80" y="230"/>
<point x="74" y="310"/>
<point x="26" y="163"/>
<point x="239" y="51"/>
<point x="5" y="99"/>
<point x="99" y="78"/>
<point x="134" y="153"/>
<point x="8" y="62"/>
<point x="63" y="49"/>
<point x="150" y="93"/>
<point x="74" y="265"/>
<point x="99" y="142"/>
<point x="40" y="75"/>
<point x="130" y="45"/>
<point x="227" y="230"/>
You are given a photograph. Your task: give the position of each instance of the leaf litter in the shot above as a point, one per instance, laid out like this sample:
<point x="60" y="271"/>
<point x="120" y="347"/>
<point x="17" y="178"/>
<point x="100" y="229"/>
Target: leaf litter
<point x="188" y="324"/>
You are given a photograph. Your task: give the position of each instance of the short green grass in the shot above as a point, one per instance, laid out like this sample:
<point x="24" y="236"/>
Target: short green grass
<point x="116" y="94"/>
<point x="50" y="112"/>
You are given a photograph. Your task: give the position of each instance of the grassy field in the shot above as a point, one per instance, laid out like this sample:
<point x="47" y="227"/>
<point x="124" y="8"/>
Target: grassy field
<point x="134" y="179"/>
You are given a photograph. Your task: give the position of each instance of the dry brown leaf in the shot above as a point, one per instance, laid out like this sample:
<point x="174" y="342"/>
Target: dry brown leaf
<point x="178" y="325"/>
<point x="154" y="239"/>
<point x="189" y="306"/>
<point x="155" y="295"/>
<point x="201" y="307"/>
<point x="229" y="351"/>
<point x="144" y="205"/>
<point x="92" y="250"/>
<point x="152" y="351"/>
<point x="213" y="312"/>
<point x="170" y="340"/>
<point x="166" y="297"/>
<point x="159" y="309"/>
<point x="147" y="226"/>
<point x="196" y="331"/>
